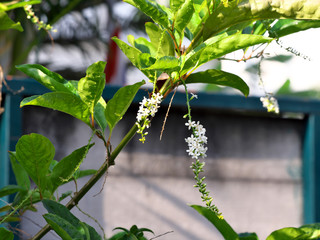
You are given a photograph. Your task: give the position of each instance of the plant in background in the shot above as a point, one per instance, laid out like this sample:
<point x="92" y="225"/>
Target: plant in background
<point x="214" y="29"/>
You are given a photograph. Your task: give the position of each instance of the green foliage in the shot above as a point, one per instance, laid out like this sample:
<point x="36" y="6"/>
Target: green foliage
<point x="134" y="233"/>
<point x="6" y="234"/>
<point x="66" y="225"/>
<point x="305" y="232"/>
<point x="221" y="225"/>
<point x="120" y="103"/>
<point x="214" y="28"/>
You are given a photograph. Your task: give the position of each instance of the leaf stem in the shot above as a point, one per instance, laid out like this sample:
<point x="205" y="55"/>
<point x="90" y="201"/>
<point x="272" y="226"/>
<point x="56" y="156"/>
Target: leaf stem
<point x="94" y="179"/>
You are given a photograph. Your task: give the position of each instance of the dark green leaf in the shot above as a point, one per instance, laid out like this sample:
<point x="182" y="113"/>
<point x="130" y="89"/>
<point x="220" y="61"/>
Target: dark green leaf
<point x="224" y="17"/>
<point x="93" y="233"/>
<point x="61" y="211"/>
<point x="222" y="226"/>
<point x="91" y="86"/>
<point x="65" y="195"/>
<point x="35" y="153"/>
<point x="63" y="228"/>
<point x="84" y="173"/>
<point x="153" y="10"/>
<point x="61" y="101"/>
<point x="10" y="189"/>
<point x="120" y="102"/>
<point x="6" y="23"/>
<point x="219" y="77"/>
<point x="6" y="234"/>
<point x="50" y="80"/>
<point x="20" y="173"/>
<point x="285" y="27"/>
<point x="65" y="169"/>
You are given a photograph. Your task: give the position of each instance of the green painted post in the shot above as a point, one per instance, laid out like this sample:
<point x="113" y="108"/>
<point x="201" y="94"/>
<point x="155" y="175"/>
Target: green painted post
<point x="4" y="146"/>
<point x="311" y="170"/>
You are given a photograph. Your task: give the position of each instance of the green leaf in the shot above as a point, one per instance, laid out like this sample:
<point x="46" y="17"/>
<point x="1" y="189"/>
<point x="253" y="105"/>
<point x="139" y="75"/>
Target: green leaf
<point x="219" y="77"/>
<point x="99" y="110"/>
<point x="166" y="64"/>
<point x="285" y="27"/>
<point x="222" y="226"/>
<point x="20" y="173"/>
<point x="35" y="153"/>
<point x="92" y="233"/>
<point x="9" y="6"/>
<point x="6" y="234"/>
<point x="225" y="17"/>
<point x="51" y="80"/>
<point x="175" y="5"/>
<point x="65" y="169"/>
<point x="91" y="86"/>
<point x="118" y="105"/>
<point x="10" y="189"/>
<point x="153" y="10"/>
<point x="6" y="22"/>
<point x="289" y="233"/>
<point x="145" y="46"/>
<point x="61" y="101"/>
<point x="84" y="173"/>
<point x="65" y="195"/>
<point x="183" y="15"/>
<point x="209" y="51"/>
<point x="305" y="232"/>
<point x="63" y="228"/>
<point x="61" y="211"/>
<point x="160" y="39"/>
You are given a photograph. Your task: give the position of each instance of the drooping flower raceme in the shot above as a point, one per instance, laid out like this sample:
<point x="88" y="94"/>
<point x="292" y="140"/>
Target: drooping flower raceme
<point x="196" y="149"/>
<point x="147" y="109"/>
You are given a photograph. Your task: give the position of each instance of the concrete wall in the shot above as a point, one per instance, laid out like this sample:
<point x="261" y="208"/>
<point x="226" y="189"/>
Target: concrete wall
<point x="253" y="171"/>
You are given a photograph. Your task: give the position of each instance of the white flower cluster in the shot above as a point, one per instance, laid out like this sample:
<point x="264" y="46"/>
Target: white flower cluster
<point x="197" y="140"/>
<point x="148" y="107"/>
<point x="270" y="103"/>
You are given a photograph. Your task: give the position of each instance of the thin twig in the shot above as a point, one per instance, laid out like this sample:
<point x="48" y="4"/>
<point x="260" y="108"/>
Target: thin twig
<point x="95" y="220"/>
<point x="161" y="235"/>
<point x="167" y="114"/>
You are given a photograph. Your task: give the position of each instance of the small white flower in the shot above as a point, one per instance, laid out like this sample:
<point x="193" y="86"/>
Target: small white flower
<point x="197" y="140"/>
<point x="194" y="96"/>
<point x="270" y="103"/>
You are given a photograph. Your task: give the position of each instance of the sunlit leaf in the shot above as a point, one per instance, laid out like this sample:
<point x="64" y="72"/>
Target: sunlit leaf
<point x="119" y="104"/>
<point x="160" y="39"/>
<point x="153" y="10"/>
<point x="285" y="27"/>
<point x="225" y="17"/>
<point x="166" y="63"/>
<point x="91" y="86"/>
<point x="218" y="77"/>
<point x="61" y="101"/>
<point x="99" y="110"/>
<point x="183" y="15"/>
<point x="208" y="51"/>
<point x="49" y="79"/>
